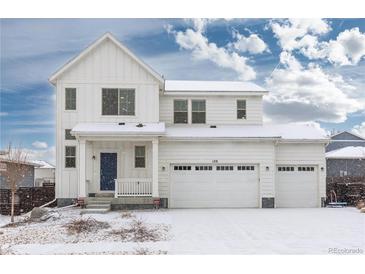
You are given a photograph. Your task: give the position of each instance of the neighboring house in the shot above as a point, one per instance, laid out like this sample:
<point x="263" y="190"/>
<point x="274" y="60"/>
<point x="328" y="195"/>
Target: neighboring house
<point x="28" y="180"/>
<point x="123" y="130"/>
<point x="44" y="173"/>
<point x="347" y="161"/>
<point x="345" y="139"/>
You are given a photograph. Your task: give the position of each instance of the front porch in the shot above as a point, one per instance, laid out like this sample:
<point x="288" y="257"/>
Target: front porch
<point x="118" y="165"/>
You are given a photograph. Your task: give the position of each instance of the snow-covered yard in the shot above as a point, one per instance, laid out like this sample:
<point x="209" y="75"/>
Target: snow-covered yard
<point x="196" y="231"/>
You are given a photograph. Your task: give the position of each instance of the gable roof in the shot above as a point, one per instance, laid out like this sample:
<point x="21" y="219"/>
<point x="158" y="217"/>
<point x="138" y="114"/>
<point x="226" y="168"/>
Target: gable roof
<point x="357" y="137"/>
<point x="112" y="38"/>
<point x="347" y="153"/>
<point x="217" y="86"/>
<point x="43" y="164"/>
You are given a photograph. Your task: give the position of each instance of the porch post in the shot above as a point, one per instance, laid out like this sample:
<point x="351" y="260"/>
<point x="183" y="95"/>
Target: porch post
<point x="82" y="168"/>
<point x="155" y="168"/>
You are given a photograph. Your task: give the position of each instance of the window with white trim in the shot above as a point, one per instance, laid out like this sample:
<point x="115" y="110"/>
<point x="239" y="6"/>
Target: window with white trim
<point x="70" y="156"/>
<point x="118" y="101"/>
<point x="180" y="111"/>
<point x="68" y="135"/>
<point x="241" y="109"/>
<point x="70" y="99"/>
<point x="139" y="156"/>
<point x="198" y="112"/>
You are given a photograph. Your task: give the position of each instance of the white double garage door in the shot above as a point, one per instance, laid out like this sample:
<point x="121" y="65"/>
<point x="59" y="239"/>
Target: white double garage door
<point x="237" y="185"/>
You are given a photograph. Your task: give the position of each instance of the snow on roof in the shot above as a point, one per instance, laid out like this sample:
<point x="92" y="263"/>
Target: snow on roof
<point x="285" y="131"/>
<point x="119" y="129"/>
<point x="177" y="85"/>
<point x="43" y="164"/>
<point x="347" y="153"/>
<point x="6" y="158"/>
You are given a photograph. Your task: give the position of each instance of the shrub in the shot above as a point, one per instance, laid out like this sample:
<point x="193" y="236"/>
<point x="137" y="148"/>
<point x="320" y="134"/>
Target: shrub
<point x="81" y="225"/>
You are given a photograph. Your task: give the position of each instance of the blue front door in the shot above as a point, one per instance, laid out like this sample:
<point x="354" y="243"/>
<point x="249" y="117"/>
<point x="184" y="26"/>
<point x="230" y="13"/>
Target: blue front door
<point x="108" y="170"/>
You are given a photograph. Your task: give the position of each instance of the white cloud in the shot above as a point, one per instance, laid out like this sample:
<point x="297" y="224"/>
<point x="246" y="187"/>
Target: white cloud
<point x="294" y="33"/>
<point x="195" y="41"/>
<point x="39" y="144"/>
<point x="48" y="154"/>
<point x="359" y="129"/>
<point x="252" y="44"/>
<point x="308" y="93"/>
<point x="303" y="35"/>
<point x="2" y="113"/>
<point x="347" y="49"/>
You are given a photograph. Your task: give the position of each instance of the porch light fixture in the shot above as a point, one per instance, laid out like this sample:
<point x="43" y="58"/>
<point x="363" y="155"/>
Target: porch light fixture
<point x="322" y="168"/>
<point x="94" y="157"/>
<point x="163" y="168"/>
<point x="267" y="168"/>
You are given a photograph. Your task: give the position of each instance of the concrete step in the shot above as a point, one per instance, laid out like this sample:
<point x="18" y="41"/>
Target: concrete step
<point x="98" y="202"/>
<point x="98" y="206"/>
<point x="94" y="211"/>
<point x="104" y="195"/>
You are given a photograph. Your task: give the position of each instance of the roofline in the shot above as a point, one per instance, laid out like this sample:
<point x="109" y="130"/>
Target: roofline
<point x="93" y="45"/>
<point x="22" y="162"/>
<point x="198" y="93"/>
<point x="345" y="131"/>
<point x="345" y="157"/>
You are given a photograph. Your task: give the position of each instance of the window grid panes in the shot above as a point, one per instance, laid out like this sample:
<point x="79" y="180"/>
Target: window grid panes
<point x="241" y="109"/>
<point x="140" y="157"/>
<point x="70" y="156"/>
<point x="180" y="111"/>
<point x="198" y="111"/>
<point x="118" y="101"/>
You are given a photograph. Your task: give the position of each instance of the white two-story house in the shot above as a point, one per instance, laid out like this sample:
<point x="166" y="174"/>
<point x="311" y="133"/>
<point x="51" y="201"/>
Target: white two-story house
<point x="125" y="132"/>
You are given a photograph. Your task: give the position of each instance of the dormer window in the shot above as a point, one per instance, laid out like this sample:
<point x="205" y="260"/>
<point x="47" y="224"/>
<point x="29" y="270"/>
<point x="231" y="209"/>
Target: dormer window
<point x="180" y="111"/>
<point x="241" y="109"/>
<point x="118" y="101"/>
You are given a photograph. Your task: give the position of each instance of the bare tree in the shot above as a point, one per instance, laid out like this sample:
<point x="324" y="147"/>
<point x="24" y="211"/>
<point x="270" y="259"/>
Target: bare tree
<point x="14" y="169"/>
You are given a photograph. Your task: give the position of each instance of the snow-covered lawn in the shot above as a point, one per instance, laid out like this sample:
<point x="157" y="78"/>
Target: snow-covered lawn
<point x="198" y="231"/>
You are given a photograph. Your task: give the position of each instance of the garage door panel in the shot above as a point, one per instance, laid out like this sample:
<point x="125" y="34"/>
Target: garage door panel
<point x="297" y="186"/>
<point x="214" y="187"/>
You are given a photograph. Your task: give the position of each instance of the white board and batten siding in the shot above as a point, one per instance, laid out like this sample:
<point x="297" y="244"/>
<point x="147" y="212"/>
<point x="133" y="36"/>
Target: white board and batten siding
<point x="219" y="109"/>
<point x="258" y="154"/>
<point x="106" y="66"/>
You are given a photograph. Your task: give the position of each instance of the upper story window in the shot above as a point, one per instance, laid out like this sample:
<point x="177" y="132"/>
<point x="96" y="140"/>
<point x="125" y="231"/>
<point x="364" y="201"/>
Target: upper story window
<point x="140" y="156"/>
<point x="118" y="101"/>
<point x="180" y="111"/>
<point x="241" y="109"/>
<point x="198" y="111"/>
<point x="70" y="99"/>
<point x="68" y="135"/>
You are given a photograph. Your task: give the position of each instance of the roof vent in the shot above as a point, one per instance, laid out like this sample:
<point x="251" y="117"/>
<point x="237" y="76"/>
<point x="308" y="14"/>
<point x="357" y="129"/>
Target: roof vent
<point x="121" y="123"/>
<point x="139" y="125"/>
<point x="213" y="126"/>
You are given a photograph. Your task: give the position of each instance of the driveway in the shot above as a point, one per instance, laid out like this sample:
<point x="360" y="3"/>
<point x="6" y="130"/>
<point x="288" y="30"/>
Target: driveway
<point x="266" y="231"/>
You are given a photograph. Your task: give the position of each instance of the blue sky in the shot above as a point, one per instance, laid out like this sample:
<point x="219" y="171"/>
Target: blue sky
<point x="277" y="54"/>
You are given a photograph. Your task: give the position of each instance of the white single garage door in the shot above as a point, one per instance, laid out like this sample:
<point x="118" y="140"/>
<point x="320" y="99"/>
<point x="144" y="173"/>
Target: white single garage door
<point x="296" y="186"/>
<point x="204" y="186"/>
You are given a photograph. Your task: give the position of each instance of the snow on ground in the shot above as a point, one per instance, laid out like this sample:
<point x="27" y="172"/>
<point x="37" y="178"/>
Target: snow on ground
<point x="199" y="231"/>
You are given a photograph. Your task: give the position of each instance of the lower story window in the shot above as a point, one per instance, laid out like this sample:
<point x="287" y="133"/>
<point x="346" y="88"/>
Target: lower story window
<point x="70" y="156"/>
<point x="140" y="156"/>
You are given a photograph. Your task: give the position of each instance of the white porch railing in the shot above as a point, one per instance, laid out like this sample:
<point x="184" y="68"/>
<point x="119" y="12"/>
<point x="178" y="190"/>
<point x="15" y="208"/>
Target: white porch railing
<point x="133" y="187"/>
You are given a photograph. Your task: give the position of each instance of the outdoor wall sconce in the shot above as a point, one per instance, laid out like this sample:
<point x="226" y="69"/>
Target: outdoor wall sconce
<point x="267" y="168"/>
<point x="163" y="168"/>
<point x="94" y="157"/>
<point x="322" y="168"/>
